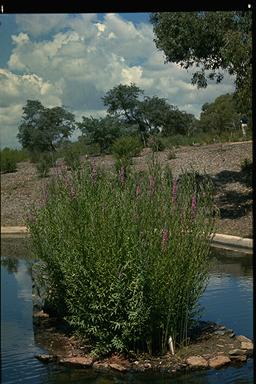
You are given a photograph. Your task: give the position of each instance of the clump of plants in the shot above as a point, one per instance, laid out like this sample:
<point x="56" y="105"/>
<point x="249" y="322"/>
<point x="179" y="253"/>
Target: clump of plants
<point x="8" y="162"/>
<point x="72" y="157"/>
<point x="126" y="255"/>
<point x="126" y="147"/>
<point x="155" y="143"/>
<point x="171" y="154"/>
<point x="44" y="163"/>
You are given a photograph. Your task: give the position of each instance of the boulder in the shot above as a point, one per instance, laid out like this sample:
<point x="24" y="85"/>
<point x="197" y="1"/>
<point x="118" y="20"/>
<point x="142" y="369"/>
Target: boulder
<point x="46" y="358"/>
<point x="240" y="358"/>
<point x="247" y="345"/>
<point x="243" y="338"/>
<point x="118" y="367"/>
<point x="236" y="352"/>
<point x="77" y="361"/>
<point x="100" y="365"/>
<point x="197" y="362"/>
<point x="219" y="361"/>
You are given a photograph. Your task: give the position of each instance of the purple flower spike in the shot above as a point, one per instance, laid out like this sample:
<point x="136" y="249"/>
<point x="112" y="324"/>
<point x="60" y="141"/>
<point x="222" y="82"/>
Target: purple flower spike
<point x="93" y="171"/>
<point x="165" y="238"/>
<point x="122" y="175"/>
<point x="193" y="206"/>
<point x="138" y="190"/>
<point x="152" y="185"/>
<point x="174" y="191"/>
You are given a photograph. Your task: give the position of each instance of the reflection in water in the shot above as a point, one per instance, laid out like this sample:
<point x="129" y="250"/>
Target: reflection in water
<point x="227" y="300"/>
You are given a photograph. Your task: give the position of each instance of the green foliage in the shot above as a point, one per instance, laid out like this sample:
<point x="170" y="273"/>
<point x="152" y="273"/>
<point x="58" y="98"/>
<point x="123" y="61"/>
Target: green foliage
<point x="212" y="41"/>
<point x="8" y="161"/>
<point x="155" y="143"/>
<point x="102" y="131"/>
<point x="44" y="163"/>
<point x="126" y="147"/>
<point x="149" y="114"/>
<point x="72" y="156"/>
<point x="221" y="115"/>
<point x="43" y="129"/>
<point x="126" y="257"/>
<point x="10" y="157"/>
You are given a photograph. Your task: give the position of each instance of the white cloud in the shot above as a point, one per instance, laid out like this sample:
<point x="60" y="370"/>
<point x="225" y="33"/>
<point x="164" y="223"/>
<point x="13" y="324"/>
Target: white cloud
<point x="15" y="90"/>
<point x="75" y="59"/>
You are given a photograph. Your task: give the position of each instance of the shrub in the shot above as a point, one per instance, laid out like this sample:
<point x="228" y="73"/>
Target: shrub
<point x="155" y="143"/>
<point x="126" y="147"/>
<point x="72" y="158"/>
<point x="44" y="164"/>
<point x="133" y="256"/>
<point x="10" y="158"/>
<point x="171" y="153"/>
<point x="8" y="163"/>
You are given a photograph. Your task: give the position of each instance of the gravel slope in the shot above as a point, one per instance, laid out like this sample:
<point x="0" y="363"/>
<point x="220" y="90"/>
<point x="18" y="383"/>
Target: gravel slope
<point x="222" y="161"/>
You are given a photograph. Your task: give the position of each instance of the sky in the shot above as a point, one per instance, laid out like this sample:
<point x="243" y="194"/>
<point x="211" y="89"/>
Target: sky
<point x="72" y="60"/>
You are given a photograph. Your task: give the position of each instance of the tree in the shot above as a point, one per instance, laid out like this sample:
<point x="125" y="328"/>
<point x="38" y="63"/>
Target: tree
<point x="211" y="41"/>
<point x="221" y="115"/>
<point x="150" y="114"/>
<point x="103" y="131"/>
<point x="42" y="129"/>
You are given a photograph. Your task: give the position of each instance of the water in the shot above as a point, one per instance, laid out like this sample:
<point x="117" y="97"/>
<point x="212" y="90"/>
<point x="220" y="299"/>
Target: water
<point x="227" y="300"/>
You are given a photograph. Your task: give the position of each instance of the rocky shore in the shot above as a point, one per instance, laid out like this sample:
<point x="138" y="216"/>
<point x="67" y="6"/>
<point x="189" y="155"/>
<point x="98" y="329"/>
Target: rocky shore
<point x="211" y="346"/>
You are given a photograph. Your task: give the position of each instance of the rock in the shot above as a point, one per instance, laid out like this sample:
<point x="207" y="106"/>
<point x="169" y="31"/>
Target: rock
<point x="238" y="358"/>
<point x="197" y="362"/>
<point x="78" y="361"/>
<point x="147" y="365"/>
<point x="118" y="367"/>
<point x="243" y="338"/>
<point x="236" y="352"/>
<point x="220" y="333"/>
<point x="232" y="334"/>
<point x="248" y="345"/>
<point x="46" y="358"/>
<point x="40" y="314"/>
<point x="222" y="328"/>
<point x="100" y="365"/>
<point x="219" y="361"/>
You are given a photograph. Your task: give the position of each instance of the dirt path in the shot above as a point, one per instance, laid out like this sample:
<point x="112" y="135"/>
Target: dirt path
<point x="222" y="162"/>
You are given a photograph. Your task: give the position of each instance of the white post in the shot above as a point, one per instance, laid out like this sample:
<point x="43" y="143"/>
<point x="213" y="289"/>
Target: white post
<point x="170" y="342"/>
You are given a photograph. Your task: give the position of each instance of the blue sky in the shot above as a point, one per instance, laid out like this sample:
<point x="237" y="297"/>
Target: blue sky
<point x="73" y="60"/>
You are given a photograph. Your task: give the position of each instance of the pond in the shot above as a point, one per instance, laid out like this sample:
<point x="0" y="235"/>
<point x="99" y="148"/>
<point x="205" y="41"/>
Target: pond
<point x="228" y="300"/>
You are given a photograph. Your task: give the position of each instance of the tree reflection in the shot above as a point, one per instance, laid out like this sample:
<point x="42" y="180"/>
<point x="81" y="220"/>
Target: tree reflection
<point x="10" y="263"/>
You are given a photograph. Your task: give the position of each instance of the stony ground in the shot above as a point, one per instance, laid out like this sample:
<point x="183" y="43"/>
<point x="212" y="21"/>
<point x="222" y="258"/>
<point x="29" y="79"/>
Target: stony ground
<point x="210" y="346"/>
<point x="221" y="161"/>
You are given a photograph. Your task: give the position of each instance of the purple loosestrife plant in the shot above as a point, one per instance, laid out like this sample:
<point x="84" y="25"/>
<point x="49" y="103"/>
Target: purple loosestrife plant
<point x="165" y="239"/>
<point x="122" y="175"/>
<point x="138" y="190"/>
<point x="193" y="207"/>
<point x="93" y="172"/>
<point x="152" y="185"/>
<point x="174" y="191"/>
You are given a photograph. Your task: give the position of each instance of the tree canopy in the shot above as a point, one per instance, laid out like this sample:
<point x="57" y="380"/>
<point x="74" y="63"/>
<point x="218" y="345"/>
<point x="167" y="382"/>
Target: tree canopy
<point x="103" y="131"/>
<point x="42" y="129"/>
<point x="221" y="115"/>
<point x="210" y="41"/>
<point x="149" y="114"/>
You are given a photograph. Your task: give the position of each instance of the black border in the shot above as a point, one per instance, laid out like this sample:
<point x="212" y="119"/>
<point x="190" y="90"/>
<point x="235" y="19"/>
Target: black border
<point x="104" y="6"/>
